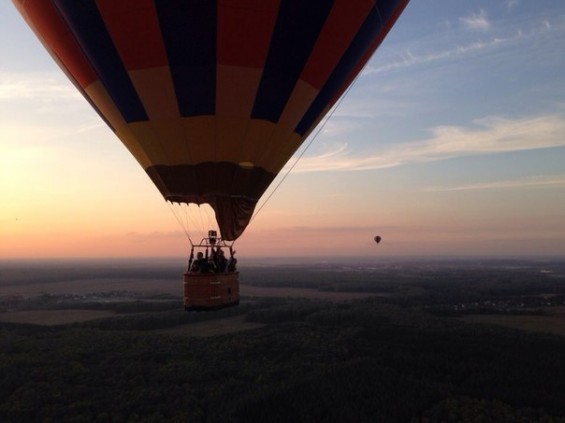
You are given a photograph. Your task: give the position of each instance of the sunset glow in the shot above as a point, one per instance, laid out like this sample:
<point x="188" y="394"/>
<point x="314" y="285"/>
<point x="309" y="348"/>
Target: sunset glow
<point x="450" y="143"/>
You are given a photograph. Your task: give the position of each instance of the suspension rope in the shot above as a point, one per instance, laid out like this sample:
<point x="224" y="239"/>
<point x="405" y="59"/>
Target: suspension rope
<point x="319" y="129"/>
<point x="184" y="228"/>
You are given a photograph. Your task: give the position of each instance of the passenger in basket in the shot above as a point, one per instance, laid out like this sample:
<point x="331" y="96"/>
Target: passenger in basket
<point x="232" y="263"/>
<point x="200" y="265"/>
<point x="221" y="261"/>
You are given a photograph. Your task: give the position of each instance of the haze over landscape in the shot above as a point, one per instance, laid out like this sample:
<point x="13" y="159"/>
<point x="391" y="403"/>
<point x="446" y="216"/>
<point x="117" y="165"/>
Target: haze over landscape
<point x="450" y="143"/>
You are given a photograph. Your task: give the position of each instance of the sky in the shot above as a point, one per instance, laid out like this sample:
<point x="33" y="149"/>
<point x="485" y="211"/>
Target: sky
<point x="450" y="143"/>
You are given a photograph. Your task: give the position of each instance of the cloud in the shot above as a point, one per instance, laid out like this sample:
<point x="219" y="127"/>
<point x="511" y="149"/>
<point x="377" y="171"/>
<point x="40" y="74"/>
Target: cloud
<point x="488" y="136"/>
<point x="39" y="107"/>
<point x="409" y="59"/>
<point x="42" y="86"/>
<point x="476" y="21"/>
<point x="548" y="28"/>
<point x="537" y="182"/>
<point x="510" y="4"/>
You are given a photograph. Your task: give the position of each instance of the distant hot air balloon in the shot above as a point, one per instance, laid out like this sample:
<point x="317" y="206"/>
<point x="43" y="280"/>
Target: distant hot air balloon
<point x="212" y="97"/>
<point x="378" y="239"/>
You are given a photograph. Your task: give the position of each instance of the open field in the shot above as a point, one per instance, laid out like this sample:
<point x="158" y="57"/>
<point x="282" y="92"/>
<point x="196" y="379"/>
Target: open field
<point x="310" y="293"/>
<point x="164" y="286"/>
<point x="212" y="327"/>
<point x="60" y="317"/>
<point x="553" y="323"/>
<point x="53" y="317"/>
<point x="88" y="286"/>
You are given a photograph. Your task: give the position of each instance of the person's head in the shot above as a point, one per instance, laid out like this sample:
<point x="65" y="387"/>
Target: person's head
<point x="220" y="251"/>
<point x="199" y="255"/>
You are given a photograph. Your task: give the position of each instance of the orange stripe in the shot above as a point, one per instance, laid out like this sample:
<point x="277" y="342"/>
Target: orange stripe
<point x="134" y="28"/>
<point x="244" y="31"/>
<point x="342" y="25"/>
<point x="52" y="30"/>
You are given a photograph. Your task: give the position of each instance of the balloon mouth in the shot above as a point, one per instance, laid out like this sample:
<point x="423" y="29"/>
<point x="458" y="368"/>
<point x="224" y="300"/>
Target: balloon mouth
<point x="246" y="165"/>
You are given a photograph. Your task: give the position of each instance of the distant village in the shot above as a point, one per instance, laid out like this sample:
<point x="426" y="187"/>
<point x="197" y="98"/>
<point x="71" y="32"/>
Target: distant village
<point x="532" y="304"/>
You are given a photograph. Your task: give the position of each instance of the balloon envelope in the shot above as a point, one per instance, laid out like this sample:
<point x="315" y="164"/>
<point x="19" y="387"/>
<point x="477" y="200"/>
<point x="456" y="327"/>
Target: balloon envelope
<point x="378" y="239"/>
<point x="212" y="97"/>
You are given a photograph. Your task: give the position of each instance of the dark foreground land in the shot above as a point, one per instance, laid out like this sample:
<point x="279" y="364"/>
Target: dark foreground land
<point x="421" y="341"/>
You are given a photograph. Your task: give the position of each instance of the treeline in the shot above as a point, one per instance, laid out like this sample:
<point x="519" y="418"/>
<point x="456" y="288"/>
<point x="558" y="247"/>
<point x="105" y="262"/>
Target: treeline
<point x="22" y="272"/>
<point x="311" y="361"/>
<point x="461" y="283"/>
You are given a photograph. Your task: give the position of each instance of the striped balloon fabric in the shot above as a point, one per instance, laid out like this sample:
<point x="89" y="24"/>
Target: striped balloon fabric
<point x="212" y="97"/>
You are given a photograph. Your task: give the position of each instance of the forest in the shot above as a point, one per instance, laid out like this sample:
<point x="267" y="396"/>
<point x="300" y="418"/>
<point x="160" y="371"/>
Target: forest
<point x="404" y="353"/>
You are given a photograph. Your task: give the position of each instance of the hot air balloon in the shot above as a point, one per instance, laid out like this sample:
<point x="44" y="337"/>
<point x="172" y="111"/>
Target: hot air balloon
<point x="212" y="98"/>
<point x="378" y="239"/>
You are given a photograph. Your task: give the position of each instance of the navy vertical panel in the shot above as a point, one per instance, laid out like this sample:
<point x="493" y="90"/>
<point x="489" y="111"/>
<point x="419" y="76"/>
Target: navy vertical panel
<point x="296" y="30"/>
<point x="189" y="34"/>
<point x="386" y="9"/>
<point x="359" y="46"/>
<point x="87" y="26"/>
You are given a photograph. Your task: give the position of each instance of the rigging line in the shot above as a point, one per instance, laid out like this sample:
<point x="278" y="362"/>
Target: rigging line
<point x="211" y="216"/>
<point x="202" y="217"/>
<point x="186" y="216"/>
<point x="320" y="128"/>
<point x="179" y="221"/>
<point x="194" y="216"/>
<point x="189" y="215"/>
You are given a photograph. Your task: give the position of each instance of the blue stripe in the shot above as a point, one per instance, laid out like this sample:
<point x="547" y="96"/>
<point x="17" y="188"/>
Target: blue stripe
<point x="88" y="28"/>
<point x="189" y="33"/>
<point x="386" y="8"/>
<point x="365" y="36"/>
<point x="296" y="30"/>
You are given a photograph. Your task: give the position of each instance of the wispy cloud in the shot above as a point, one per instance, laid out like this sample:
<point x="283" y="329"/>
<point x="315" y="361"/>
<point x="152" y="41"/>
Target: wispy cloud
<point x="476" y="21"/>
<point x="45" y="86"/>
<point x="488" y="136"/>
<point x="537" y="182"/>
<point x="49" y="101"/>
<point x="505" y="37"/>
<point x="510" y="4"/>
<point x="408" y="59"/>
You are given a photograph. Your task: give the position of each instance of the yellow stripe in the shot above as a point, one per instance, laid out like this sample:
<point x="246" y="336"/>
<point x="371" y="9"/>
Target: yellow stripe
<point x="200" y="133"/>
<point x="315" y="124"/>
<point x="236" y="88"/>
<point x="300" y="100"/>
<point x="284" y="144"/>
<point x="231" y="134"/>
<point x="256" y="141"/>
<point x="293" y="143"/>
<point x="156" y="91"/>
<point x="97" y="93"/>
<point x="163" y="141"/>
